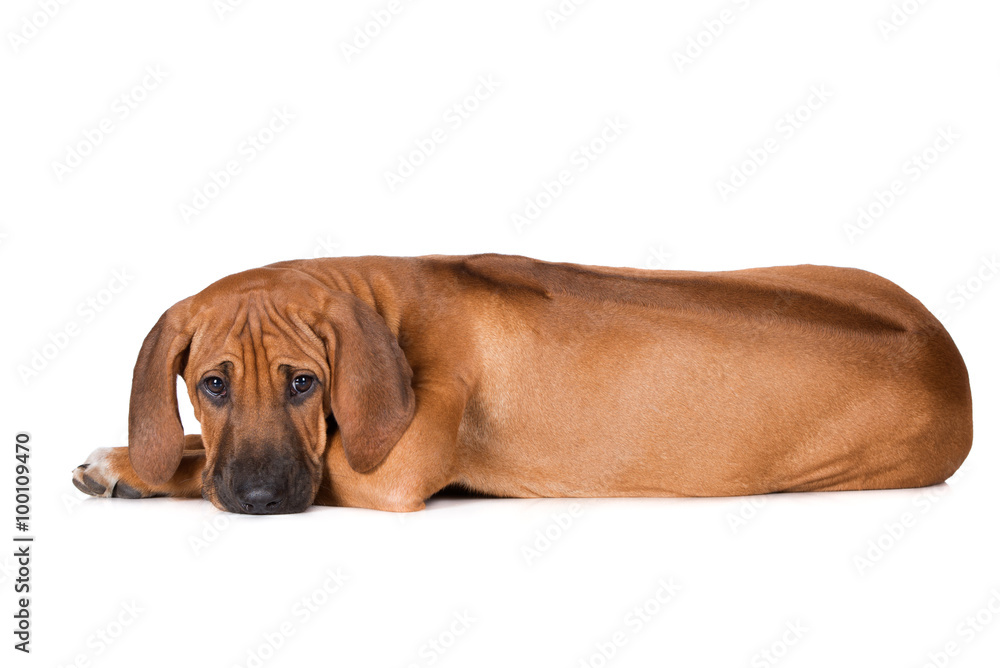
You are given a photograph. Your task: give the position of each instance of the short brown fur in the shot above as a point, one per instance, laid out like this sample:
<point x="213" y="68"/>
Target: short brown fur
<point x="516" y="377"/>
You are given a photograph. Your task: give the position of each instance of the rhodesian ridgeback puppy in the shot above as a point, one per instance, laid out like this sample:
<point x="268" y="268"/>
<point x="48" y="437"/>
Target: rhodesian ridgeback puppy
<point x="375" y="382"/>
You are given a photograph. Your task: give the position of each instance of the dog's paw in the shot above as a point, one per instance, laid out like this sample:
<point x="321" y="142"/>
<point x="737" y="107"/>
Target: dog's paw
<point x="101" y="475"/>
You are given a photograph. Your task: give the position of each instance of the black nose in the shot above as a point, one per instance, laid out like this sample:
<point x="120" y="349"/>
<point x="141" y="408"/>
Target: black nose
<point x="264" y="499"/>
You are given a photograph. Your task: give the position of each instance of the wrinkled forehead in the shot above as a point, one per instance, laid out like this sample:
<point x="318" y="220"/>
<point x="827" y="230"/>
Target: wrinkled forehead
<point x="256" y="330"/>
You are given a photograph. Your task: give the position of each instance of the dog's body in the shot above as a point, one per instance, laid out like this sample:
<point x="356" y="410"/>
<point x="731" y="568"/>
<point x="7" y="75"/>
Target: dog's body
<point x="537" y="379"/>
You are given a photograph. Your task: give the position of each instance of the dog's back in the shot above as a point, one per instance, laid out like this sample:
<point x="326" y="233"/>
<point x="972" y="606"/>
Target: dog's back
<point x="608" y="382"/>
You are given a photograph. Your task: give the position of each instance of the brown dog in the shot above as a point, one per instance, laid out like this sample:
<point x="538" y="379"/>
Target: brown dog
<point x="376" y="382"/>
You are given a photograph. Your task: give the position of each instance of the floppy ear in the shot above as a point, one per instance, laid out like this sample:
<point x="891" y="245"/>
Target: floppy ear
<point x="155" y="434"/>
<point x="370" y="391"/>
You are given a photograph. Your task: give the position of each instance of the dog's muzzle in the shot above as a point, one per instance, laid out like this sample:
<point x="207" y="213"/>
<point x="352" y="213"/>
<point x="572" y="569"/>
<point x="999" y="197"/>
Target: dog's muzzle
<point x="259" y="486"/>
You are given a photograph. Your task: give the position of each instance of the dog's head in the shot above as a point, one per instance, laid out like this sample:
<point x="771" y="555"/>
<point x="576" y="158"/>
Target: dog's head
<point x="273" y="361"/>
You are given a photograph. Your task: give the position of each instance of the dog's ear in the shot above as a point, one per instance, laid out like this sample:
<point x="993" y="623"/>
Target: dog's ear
<point x="370" y="392"/>
<point x="155" y="434"/>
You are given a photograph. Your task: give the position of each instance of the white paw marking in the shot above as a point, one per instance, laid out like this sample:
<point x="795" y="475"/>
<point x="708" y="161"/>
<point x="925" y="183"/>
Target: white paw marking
<point x="97" y="471"/>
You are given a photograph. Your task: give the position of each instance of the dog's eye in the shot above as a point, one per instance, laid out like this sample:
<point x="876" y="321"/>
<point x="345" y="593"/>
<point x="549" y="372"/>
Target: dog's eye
<point x="215" y="386"/>
<point x="301" y="384"/>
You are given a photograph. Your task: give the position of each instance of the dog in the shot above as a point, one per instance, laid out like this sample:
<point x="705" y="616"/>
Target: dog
<point x="375" y="382"/>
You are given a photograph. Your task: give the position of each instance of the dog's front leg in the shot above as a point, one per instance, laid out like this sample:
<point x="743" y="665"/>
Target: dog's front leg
<point x="108" y="472"/>
<point x="422" y="462"/>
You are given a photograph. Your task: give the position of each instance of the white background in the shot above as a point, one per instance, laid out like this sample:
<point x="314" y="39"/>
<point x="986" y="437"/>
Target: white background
<point x="212" y="586"/>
